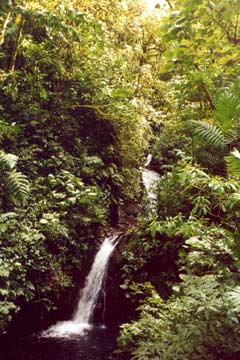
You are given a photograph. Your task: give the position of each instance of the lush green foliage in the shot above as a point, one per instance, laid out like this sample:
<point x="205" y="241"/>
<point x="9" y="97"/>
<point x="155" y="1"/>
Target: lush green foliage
<point x="189" y="249"/>
<point x="15" y="182"/>
<point x="233" y="162"/>
<point x="197" y="224"/>
<point x="85" y="87"/>
<point x="71" y="113"/>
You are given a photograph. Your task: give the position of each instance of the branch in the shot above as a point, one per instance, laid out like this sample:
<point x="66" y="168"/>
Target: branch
<point x="169" y="4"/>
<point x="95" y="108"/>
<point x="16" y="45"/>
<point x="227" y="28"/>
<point x="5" y="24"/>
<point x="206" y="91"/>
<point x="233" y="40"/>
<point x="236" y="27"/>
<point x="209" y="98"/>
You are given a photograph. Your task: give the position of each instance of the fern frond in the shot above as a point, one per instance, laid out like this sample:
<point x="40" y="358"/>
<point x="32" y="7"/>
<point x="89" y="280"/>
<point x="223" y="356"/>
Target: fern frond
<point x="93" y="161"/>
<point x="233" y="163"/>
<point x="227" y="113"/>
<point x="208" y="156"/>
<point x="234" y="297"/>
<point x="210" y="134"/>
<point x="8" y="161"/>
<point x="17" y="184"/>
<point x="227" y="108"/>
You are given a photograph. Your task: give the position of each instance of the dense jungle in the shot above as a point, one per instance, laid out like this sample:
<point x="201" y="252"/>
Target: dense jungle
<point x="89" y="91"/>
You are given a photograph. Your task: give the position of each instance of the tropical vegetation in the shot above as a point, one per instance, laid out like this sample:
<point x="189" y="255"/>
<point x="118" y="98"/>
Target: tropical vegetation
<point x="88" y="89"/>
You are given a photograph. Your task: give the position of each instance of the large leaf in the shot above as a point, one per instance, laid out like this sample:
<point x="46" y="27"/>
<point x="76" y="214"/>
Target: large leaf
<point x="227" y="107"/>
<point x="233" y="163"/>
<point x="210" y="134"/>
<point x="227" y="113"/>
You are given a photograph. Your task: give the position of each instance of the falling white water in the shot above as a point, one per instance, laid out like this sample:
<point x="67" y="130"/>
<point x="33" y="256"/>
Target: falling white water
<point x="94" y="282"/>
<point x="150" y="179"/>
<point x="82" y="317"/>
<point x="148" y="160"/>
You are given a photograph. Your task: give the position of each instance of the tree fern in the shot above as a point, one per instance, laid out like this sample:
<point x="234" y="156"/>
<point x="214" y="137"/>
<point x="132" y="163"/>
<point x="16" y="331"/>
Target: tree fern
<point x="17" y="184"/>
<point x="225" y="129"/>
<point x="233" y="163"/>
<point x="209" y="134"/>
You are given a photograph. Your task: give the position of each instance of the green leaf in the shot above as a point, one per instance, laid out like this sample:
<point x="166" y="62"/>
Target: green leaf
<point x="210" y="134"/>
<point x="154" y="228"/>
<point x="233" y="163"/>
<point x="8" y="161"/>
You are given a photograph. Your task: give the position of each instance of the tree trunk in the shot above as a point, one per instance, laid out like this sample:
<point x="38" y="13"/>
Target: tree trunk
<point x="5" y="24"/>
<point x="16" y="45"/>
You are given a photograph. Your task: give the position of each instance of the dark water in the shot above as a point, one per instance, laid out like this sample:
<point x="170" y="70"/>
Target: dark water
<point x="96" y="345"/>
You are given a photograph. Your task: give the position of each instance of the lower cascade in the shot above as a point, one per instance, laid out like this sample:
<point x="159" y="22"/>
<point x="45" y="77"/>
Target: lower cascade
<point x="82" y="317"/>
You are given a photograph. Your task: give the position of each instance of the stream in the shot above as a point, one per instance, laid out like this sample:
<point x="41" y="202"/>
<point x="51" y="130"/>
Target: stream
<point x="79" y="338"/>
<point x="95" y="345"/>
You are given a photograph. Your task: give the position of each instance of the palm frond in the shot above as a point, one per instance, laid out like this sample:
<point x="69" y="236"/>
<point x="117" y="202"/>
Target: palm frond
<point x="227" y="113"/>
<point x="210" y="134"/>
<point x="233" y="163"/>
<point x="8" y="161"/>
<point x="227" y="108"/>
<point x="17" y="184"/>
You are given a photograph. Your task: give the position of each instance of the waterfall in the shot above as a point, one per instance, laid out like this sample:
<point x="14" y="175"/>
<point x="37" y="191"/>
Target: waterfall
<point x="148" y="160"/>
<point x="82" y="317"/>
<point x="149" y="179"/>
<point x="89" y="297"/>
<point x="83" y="314"/>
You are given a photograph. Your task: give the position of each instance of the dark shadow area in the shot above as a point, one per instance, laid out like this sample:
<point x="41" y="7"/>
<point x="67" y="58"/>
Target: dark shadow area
<point x="96" y="345"/>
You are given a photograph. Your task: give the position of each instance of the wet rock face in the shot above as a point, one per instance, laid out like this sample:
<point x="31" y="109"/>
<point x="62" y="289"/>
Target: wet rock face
<point x="117" y="310"/>
<point x="117" y="307"/>
<point x="114" y="214"/>
<point x="112" y="307"/>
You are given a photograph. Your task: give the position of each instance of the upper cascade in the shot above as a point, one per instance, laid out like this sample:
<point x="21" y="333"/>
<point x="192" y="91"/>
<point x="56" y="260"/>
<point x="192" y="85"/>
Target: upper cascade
<point x="149" y="179"/>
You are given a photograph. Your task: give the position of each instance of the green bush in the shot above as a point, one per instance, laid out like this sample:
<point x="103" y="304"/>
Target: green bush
<point x="201" y="319"/>
<point x="196" y="228"/>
